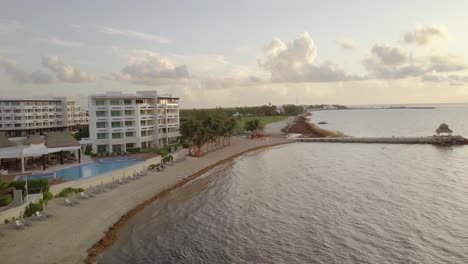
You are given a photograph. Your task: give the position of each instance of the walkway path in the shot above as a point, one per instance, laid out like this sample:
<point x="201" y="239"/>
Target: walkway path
<point x="66" y="237"/>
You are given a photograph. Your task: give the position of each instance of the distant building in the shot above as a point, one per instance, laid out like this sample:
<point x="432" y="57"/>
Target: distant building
<point x="329" y="107"/>
<point x="279" y="109"/>
<point x="236" y="114"/>
<point x="23" y="117"/>
<point x="120" y="121"/>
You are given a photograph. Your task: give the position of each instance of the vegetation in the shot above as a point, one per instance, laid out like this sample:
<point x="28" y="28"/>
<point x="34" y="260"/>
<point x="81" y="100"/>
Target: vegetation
<point x="252" y="125"/>
<point x="226" y="113"/>
<point x="264" y="120"/>
<point x="83" y="132"/>
<point x="47" y="196"/>
<point x="88" y="151"/>
<point x="5" y="199"/>
<point x="32" y="208"/>
<point x="209" y="131"/>
<point x="67" y="191"/>
<point x="133" y="150"/>
<point x="34" y="185"/>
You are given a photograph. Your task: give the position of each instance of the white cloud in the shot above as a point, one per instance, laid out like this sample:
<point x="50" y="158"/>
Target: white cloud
<point x="294" y="62"/>
<point x="64" y="43"/>
<point x="7" y="26"/>
<point x="424" y="35"/>
<point x="21" y="76"/>
<point x="66" y="72"/>
<point x="393" y="62"/>
<point x="134" y="34"/>
<point x="151" y="69"/>
<point x="347" y="44"/>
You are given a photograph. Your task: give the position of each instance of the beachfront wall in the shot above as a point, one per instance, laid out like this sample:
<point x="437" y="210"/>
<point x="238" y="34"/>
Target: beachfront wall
<point x="105" y="178"/>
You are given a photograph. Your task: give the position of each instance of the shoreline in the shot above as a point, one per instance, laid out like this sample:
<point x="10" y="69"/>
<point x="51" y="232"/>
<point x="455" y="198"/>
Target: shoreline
<point x="308" y="129"/>
<point x="79" y="234"/>
<point x="112" y="234"/>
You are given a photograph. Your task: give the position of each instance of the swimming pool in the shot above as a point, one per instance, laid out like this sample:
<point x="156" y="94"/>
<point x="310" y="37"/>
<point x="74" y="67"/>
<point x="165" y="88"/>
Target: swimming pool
<point x="89" y="170"/>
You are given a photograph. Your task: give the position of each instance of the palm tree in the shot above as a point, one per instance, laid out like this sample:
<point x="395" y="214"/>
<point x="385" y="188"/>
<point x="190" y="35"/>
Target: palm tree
<point x="189" y="131"/>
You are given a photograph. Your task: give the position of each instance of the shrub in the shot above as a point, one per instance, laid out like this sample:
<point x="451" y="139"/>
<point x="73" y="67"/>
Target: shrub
<point x="152" y="166"/>
<point x="133" y="150"/>
<point x="67" y="191"/>
<point x="34" y="186"/>
<point x="88" y="151"/>
<point x="32" y="208"/>
<point x="185" y="145"/>
<point x="47" y="196"/>
<point x="7" y="221"/>
<point x="163" y="152"/>
<point x="5" y="199"/>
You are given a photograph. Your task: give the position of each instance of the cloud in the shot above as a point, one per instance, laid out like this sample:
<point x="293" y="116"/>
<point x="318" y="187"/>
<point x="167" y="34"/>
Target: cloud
<point x="21" y="76"/>
<point x="66" y="72"/>
<point x="393" y="62"/>
<point x="7" y="26"/>
<point x="424" y="35"/>
<point x="134" y="34"/>
<point x="294" y="62"/>
<point x="347" y="44"/>
<point x="151" y="69"/>
<point x="64" y="43"/>
<point x="445" y="63"/>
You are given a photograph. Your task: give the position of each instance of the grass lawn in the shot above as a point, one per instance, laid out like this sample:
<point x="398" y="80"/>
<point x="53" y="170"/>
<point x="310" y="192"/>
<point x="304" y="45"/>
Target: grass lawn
<point x="263" y="120"/>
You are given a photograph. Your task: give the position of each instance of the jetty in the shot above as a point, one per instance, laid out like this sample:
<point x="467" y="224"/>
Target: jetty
<point x="433" y="140"/>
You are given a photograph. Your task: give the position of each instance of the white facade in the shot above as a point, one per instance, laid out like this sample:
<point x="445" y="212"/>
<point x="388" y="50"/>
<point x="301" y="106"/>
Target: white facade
<point x="22" y="117"/>
<point x="119" y="121"/>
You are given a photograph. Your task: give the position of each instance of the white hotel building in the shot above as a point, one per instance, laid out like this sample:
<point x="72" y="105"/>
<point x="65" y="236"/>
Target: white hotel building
<point x="119" y="121"/>
<point x="23" y="117"/>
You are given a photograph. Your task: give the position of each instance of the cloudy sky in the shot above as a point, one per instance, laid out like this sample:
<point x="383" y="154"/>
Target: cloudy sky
<point x="238" y="53"/>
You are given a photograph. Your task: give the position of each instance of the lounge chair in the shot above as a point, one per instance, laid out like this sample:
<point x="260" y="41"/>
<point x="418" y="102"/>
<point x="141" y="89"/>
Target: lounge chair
<point x="69" y="202"/>
<point x="83" y="195"/>
<point x="18" y="224"/>
<point x="39" y="216"/>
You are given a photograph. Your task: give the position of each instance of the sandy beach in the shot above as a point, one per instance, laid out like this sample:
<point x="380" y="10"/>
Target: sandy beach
<point x="72" y="231"/>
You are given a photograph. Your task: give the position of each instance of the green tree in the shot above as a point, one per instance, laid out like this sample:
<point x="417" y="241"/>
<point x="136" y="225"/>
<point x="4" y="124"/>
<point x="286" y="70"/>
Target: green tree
<point x="253" y="124"/>
<point x="83" y="132"/>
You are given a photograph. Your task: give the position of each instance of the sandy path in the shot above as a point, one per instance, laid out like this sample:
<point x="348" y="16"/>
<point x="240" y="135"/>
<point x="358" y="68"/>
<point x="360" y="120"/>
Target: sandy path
<point x="66" y="237"/>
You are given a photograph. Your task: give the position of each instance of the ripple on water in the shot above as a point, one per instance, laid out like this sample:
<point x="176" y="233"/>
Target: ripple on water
<point x="312" y="203"/>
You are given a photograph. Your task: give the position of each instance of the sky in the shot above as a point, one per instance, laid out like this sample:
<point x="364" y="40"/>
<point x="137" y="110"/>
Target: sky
<point x="238" y="53"/>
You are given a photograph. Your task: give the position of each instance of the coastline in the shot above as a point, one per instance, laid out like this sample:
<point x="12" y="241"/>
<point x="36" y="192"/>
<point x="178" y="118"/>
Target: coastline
<point x="111" y="235"/>
<point x="80" y="233"/>
<point x="302" y="125"/>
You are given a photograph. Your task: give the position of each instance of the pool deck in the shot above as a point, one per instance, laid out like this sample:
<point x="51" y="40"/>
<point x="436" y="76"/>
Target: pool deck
<point x="66" y="237"/>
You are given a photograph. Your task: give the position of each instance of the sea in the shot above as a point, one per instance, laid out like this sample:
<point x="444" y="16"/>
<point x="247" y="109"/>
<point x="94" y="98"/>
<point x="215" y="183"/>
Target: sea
<point x="319" y="202"/>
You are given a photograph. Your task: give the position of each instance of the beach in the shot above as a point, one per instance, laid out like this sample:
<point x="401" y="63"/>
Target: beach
<point x="72" y="231"/>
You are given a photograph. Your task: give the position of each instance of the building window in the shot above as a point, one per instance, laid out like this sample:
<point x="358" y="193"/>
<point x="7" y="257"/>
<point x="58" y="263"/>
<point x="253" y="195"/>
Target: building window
<point x="17" y="117"/>
<point x="100" y="102"/>
<point x="128" y="112"/>
<point x="101" y="135"/>
<point x="144" y="133"/>
<point x="116" y="135"/>
<point x="127" y="102"/>
<point x="116" y="148"/>
<point x="130" y="145"/>
<point x="128" y="123"/>
<point x="116" y="113"/>
<point x="102" y="148"/>
<point x="129" y="134"/>
<point x="17" y="125"/>
<point x="100" y="124"/>
<point x="116" y="124"/>
<point x="115" y="101"/>
<point x="100" y="113"/>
